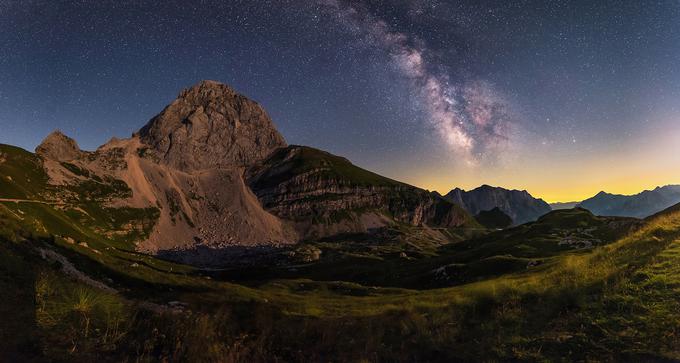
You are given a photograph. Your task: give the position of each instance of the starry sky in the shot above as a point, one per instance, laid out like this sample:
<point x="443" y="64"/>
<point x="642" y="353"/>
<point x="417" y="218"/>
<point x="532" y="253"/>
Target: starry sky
<point x="561" y="98"/>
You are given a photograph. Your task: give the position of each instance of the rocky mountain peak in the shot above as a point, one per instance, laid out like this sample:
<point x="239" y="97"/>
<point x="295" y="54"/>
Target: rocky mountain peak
<point x="206" y="91"/>
<point x="58" y="146"/>
<point x="519" y="205"/>
<point x="210" y="125"/>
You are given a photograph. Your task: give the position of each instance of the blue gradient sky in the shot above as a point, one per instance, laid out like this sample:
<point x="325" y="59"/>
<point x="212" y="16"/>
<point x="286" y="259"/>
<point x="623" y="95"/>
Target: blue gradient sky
<point x="563" y="98"/>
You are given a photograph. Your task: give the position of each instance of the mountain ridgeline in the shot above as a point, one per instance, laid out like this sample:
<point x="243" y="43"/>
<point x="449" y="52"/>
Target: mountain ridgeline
<point x="518" y="205"/>
<point x="640" y="205"/>
<point x="222" y="177"/>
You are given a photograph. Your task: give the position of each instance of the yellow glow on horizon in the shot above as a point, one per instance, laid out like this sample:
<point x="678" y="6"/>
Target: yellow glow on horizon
<point x="567" y="193"/>
<point x="628" y="169"/>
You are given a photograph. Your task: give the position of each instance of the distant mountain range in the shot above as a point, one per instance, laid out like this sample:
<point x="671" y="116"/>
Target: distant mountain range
<point x="519" y="205"/>
<point x="640" y="205"/>
<point x="522" y="207"/>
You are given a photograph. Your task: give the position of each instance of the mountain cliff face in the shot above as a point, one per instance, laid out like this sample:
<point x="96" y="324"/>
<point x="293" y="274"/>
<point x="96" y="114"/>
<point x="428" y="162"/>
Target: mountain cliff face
<point x="307" y="185"/>
<point x="211" y="126"/>
<point x="519" y="205"/>
<point x="217" y="175"/>
<point x="639" y="205"/>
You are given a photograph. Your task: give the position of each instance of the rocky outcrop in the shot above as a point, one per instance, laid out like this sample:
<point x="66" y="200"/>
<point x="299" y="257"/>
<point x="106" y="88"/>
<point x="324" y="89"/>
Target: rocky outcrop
<point x="211" y="126"/>
<point x="59" y="147"/>
<point x="518" y="204"/>
<point x="309" y="185"/>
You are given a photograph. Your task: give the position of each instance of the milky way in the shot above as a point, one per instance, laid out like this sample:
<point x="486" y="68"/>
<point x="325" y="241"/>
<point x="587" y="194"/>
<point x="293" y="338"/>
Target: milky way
<point x="537" y="95"/>
<point x="470" y="117"/>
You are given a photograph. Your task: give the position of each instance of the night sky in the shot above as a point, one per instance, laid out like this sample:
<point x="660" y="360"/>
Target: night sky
<point x="562" y="98"/>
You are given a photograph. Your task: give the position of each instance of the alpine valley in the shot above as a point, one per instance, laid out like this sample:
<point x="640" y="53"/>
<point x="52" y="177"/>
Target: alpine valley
<point x="206" y="237"/>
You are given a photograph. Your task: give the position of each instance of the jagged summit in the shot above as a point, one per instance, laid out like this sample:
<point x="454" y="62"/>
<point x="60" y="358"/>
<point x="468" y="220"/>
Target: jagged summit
<point x="58" y="146"/>
<point x="206" y="91"/>
<point x="517" y="204"/>
<point x="641" y="205"/>
<point x="210" y="125"/>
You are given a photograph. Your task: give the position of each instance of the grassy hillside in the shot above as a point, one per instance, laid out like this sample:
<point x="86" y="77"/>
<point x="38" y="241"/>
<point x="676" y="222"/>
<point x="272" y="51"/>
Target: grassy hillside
<point x="494" y="219"/>
<point x="304" y="184"/>
<point x="22" y="175"/>
<point x="297" y="160"/>
<point x="572" y="308"/>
